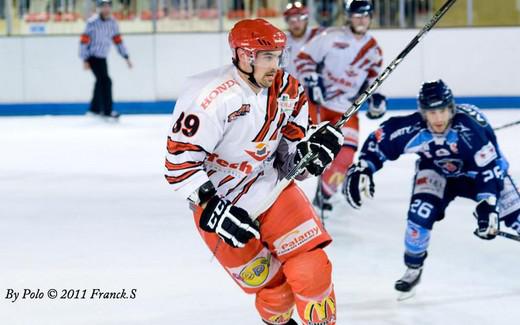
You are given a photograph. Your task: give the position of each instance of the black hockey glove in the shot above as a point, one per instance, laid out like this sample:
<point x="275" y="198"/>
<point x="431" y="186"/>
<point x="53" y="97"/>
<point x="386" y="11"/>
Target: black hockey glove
<point x="231" y="223"/>
<point x="487" y="218"/>
<point x="376" y="106"/>
<point x="357" y="183"/>
<point x="324" y="140"/>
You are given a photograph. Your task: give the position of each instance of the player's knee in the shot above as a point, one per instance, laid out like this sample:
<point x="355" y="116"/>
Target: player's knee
<point x="417" y="240"/>
<point x="424" y="211"/>
<point x="309" y="273"/>
<point x="275" y="304"/>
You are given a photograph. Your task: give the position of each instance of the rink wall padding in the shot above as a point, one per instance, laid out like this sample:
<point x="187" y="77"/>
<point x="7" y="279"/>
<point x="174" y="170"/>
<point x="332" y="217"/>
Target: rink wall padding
<point x="44" y="74"/>
<point x="166" y="107"/>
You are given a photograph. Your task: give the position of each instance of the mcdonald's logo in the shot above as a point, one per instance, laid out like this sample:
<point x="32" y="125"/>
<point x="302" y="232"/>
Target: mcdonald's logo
<point x="320" y="313"/>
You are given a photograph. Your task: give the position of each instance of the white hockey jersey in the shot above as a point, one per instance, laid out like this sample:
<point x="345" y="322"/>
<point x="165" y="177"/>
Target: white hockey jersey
<point x="224" y="132"/>
<point x="294" y="45"/>
<point x="345" y="63"/>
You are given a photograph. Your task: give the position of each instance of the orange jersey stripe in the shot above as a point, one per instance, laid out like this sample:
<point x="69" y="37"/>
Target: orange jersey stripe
<point x="274" y="136"/>
<point x="225" y="180"/>
<point x="236" y="186"/>
<point x="293" y="132"/>
<point x="302" y="101"/>
<point x="178" y="179"/>
<point x="185" y="165"/>
<point x="246" y="188"/>
<point x="177" y="147"/>
<point x="272" y="106"/>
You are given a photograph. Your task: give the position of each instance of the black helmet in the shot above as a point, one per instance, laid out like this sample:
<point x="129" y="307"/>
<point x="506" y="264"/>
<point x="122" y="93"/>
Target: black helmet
<point x="435" y="94"/>
<point x="359" y="7"/>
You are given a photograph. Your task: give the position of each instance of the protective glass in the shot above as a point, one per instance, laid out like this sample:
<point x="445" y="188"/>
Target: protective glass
<point x="271" y="59"/>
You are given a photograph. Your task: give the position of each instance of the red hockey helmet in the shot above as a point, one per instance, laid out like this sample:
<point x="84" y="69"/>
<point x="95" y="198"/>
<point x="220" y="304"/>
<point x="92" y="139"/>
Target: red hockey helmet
<point x="255" y="35"/>
<point x="296" y="9"/>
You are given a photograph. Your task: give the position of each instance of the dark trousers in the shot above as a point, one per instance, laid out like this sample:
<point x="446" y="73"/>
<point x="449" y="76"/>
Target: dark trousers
<point x="102" y="99"/>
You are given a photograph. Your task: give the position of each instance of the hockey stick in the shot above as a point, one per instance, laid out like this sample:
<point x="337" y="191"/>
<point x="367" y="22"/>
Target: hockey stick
<point x="360" y="100"/>
<point x="508" y="235"/>
<point x="506" y="125"/>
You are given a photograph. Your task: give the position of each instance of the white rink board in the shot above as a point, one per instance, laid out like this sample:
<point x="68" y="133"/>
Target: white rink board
<point x="84" y="205"/>
<point x="35" y="69"/>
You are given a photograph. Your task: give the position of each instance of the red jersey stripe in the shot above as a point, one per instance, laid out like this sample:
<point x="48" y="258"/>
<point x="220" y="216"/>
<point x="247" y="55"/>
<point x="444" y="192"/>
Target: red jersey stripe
<point x="185" y="165"/>
<point x="370" y="44"/>
<point x="177" y="147"/>
<point x="178" y="179"/>
<point x="246" y="188"/>
<point x="293" y="132"/>
<point x="225" y="180"/>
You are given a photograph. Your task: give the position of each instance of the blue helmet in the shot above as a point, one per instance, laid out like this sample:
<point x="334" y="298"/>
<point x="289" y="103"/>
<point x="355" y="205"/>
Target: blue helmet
<point x="360" y="7"/>
<point x="435" y="94"/>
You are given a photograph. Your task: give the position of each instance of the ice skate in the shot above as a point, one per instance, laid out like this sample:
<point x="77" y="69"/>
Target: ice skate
<point x="407" y="283"/>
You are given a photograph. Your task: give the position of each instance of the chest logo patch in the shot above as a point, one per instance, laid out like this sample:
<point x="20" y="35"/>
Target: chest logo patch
<point x="261" y="151"/>
<point x="286" y="104"/>
<point x="243" y="110"/>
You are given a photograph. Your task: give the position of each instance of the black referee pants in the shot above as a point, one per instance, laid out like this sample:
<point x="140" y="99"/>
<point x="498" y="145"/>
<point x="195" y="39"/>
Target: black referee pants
<point x="102" y="99"/>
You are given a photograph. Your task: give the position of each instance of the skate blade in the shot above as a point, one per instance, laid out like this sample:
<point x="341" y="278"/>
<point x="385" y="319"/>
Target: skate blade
<point x="402" y="296"/>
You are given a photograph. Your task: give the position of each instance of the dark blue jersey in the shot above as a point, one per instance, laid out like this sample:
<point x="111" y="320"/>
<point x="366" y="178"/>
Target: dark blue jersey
<point x="468" y="148"/>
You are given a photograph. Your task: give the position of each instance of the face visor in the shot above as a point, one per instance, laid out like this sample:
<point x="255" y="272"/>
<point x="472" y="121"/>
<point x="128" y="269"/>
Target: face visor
<point x="269" y="59"/>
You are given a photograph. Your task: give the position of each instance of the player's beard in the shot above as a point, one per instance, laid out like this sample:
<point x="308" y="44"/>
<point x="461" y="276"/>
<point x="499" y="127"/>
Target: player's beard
<point x="267" y="79"/>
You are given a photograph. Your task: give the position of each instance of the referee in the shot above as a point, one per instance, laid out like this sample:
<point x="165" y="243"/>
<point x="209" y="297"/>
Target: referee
<point x="100" y="31"/>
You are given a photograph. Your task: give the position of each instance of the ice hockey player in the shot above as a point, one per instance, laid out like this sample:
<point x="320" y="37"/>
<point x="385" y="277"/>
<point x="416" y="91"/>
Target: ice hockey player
<point x="335" y="67"/>
<point x="296" y="16"/>
<point x="458" y="156"/>
<point x="236" y="131"/>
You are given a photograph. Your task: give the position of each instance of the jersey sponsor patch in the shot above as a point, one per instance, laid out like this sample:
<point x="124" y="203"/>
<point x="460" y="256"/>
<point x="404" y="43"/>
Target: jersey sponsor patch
<point x="286" y="104"/>
<point x="430" y="182"/>
<point x="485" y="155"/>
<point x="214" y="93"/>
<point x="213" y="161"/>
<point x="450" y="166"/>
<point x="256" y="272"/>
<point x="297" y="237"/>
<point x="260" y="152"/>
<point x="340" y="45"/>
<point x="442" y="152"/>
<point x="243" y="110"/>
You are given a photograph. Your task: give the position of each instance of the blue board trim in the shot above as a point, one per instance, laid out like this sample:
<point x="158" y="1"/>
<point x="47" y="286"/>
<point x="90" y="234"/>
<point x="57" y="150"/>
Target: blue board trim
<point x="166" y="107"/>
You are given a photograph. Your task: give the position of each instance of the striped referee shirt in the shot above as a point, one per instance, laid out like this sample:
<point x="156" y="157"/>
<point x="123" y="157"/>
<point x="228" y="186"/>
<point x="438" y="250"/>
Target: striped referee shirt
<point x="98" y="35"/>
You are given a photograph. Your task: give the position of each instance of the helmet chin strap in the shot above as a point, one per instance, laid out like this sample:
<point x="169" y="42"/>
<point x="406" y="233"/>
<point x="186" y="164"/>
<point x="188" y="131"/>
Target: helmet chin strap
<point x="250" y="75"/>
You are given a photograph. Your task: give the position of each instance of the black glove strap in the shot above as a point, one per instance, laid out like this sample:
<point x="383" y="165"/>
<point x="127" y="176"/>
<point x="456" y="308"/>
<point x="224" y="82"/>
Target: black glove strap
<point x="203" y="194"/>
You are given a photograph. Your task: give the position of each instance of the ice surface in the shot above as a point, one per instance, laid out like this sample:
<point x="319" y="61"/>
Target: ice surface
<point x="83" y="204"/>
